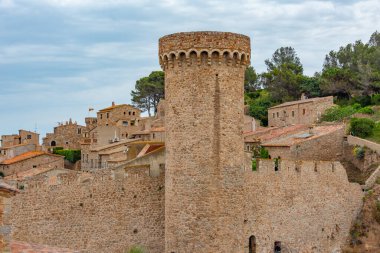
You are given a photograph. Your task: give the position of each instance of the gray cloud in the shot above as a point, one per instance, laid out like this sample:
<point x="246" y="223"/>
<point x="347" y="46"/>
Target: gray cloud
<point x="58" y="57"/>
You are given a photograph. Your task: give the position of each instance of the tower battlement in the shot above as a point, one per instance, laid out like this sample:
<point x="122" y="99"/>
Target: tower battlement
<point x="197" y="48"/>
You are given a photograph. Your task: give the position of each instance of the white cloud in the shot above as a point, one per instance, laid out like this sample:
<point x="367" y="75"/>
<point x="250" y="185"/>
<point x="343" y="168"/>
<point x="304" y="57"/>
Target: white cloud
<point x="6" y="4"/>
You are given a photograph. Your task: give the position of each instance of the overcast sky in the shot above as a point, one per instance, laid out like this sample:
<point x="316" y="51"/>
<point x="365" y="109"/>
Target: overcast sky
<point x="60" y="57"/>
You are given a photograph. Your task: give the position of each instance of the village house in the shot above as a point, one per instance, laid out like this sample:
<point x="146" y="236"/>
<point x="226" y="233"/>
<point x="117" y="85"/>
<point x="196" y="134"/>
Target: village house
<point x="23" y="137"/>
<point x="322" y="143"/>
<point x="304" y="111"/>
<point x="66" y="135"/>
<point x="30" y="160"/>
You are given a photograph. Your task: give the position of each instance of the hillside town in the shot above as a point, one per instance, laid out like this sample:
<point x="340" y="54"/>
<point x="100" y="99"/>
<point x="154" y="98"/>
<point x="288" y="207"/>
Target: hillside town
<point x="200" y="175"/>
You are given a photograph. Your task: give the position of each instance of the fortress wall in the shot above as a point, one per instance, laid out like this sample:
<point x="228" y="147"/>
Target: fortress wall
<point x="307" y="206"/>
<point x="93" y="212"/>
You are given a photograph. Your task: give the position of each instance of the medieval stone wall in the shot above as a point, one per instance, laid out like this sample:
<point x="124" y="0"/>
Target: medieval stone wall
<point x="306" y="206"/>
<point x="98" y="212"/>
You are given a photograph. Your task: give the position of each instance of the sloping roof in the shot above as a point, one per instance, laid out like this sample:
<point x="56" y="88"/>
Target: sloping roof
<point x="31" y="173"/>
<point x="17" y="145"/>
<point x="271" y="133"/>
<point x="302" y="101"/>
<point x="114" y="144"/>
<point x="110" y="108"/>
<point x="7" y="188"/>
<point x="158" y="129"/>
<point x="27" y="155"/>
<point x="24" y="247"/>
<point x="301" y="136"/>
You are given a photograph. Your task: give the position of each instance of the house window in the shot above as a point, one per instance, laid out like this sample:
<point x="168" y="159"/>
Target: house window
<point x="29" y="136"/>
<point x="292" y="113"/>
<point x="108" y="115"/>
<point x="132" y="122"/>
<point x="278" y="114"/>
<point x="79" y="130"/>
<point x="274" y="115"/>
<point x="101" y="116"/>
<point x="34" y="166"/>
<point x="125" y="123"/>
<point x="129" y="112"/>
<point x="303" y="111"/>
<point x="133" y="113"/>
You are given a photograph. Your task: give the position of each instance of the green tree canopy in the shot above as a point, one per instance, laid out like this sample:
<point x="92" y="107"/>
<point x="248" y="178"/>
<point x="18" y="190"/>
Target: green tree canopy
<point x="284" y="75"/>
<point x="251" y="80"/>
<point x="353" y="70"/>
<point x="149" y="91"/>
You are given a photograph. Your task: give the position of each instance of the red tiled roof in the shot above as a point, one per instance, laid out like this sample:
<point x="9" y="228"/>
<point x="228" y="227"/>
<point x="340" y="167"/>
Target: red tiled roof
<point x="23" y="247"/>
<point x="27" y="155"/>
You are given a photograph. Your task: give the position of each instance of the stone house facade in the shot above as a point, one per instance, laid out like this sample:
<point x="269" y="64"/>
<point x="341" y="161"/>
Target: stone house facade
<point x="320" y="143"/>
<point x="23" y="137"/>
<point x="12" y="151"/>
<point x="30" y="160"/>
<point x="66" y="135"/>
<point x="304" y="111"/>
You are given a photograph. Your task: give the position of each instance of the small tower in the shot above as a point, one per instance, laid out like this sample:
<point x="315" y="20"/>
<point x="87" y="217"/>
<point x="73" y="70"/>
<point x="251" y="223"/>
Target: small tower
<point x="204" y="184"/>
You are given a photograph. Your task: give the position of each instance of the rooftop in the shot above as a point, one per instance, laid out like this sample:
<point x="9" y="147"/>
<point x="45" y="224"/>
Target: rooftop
<point x="302" y="101"/>
<point x="27" y="155"/>
<point x="23" y="247"/>
<point x="270" y="133"/>
<point x="301" y="136"/>
<point x="114" y="106"/>
<point x="30" y="173"/>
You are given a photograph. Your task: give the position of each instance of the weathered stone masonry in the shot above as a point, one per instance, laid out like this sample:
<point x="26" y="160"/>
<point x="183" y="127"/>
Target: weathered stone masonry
<point x="204" y="73"/>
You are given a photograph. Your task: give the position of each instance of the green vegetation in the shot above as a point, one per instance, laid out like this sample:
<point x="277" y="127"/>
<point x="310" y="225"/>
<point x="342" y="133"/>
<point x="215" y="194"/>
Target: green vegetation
<point x="376" y="211"/>
<point x="338" y="113"/>
<point x="362" y="127"/>
<point x="136" y="249"/>
<point x="359" y="152"/>
<point x="149" y="91"/>
<point x="254" y="164"/>
<point x="71" y="155"/>
<point x="264" y="153"/>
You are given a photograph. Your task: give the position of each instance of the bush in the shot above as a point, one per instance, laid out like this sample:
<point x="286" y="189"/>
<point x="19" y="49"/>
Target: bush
<point x="362" y="127"/>
<point x="136" y="249"/>
<point x="264" y="153"/>
<point x="1" y="174"/>
<point x="338" y="113"/>
<point x="375" y="99"/>
<point x="71" y="155"/>
<point x="366" y="110"/>
<point x="254" y="165"/>
<point x="359" y="152"/>
<point x="55" y="149"/>
<point x="376" y="211"/>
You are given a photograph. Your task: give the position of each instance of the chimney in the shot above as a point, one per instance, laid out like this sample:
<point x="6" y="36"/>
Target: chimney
<point x="113" y="103"/>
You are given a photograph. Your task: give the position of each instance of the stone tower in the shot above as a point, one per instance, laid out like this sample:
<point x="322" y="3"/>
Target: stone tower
<point x="204" y="76"/>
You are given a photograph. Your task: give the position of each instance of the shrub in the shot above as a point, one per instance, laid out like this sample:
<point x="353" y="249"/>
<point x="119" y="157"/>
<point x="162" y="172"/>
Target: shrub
<point x="366" y="110"/>
<point x="375" y="99"/>
<point x="1" y="174"/>
<point x="264" y="153"/>
<point x="362" y="127"/>
<point x="376" y="211"/>
<point x="338" y="113"/>
<point x="359" y="152"/>
<point x="136" y="249"/>
<point x="55" y="149"/>
<point x="254" y="165"/>
<point x="71" y="155"/>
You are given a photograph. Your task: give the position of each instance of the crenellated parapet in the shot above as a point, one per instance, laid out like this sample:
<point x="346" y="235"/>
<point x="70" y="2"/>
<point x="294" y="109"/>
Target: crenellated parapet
<point x="204" y="48"/>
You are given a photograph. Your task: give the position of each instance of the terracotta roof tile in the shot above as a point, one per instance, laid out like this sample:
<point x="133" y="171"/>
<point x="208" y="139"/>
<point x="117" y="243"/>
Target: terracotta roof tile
<point x="27" y="155"/>
<point x="23" y="247"/>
